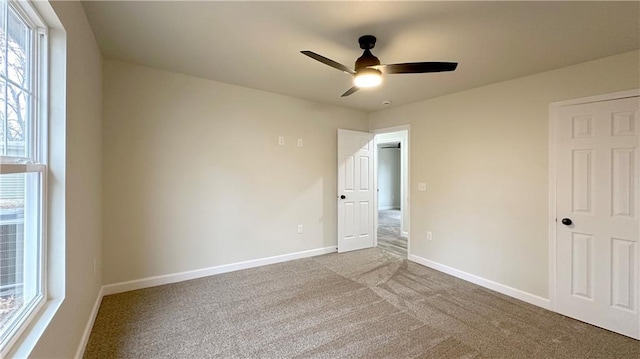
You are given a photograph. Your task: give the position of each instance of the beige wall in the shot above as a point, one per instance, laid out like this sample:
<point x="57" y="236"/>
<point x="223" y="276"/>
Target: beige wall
<point x="388" y="178"/>
<point x="194" y="176"/>
<point x="83" y="177"/>
<point x="483" y="154"/>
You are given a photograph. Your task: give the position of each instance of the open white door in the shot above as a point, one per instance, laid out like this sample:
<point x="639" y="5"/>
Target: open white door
<point x="356" y="228"/>
<point x="597" y="248"/>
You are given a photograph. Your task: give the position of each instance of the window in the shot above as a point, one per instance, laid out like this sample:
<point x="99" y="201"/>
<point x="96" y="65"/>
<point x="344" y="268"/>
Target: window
<point x="22" y="167"/>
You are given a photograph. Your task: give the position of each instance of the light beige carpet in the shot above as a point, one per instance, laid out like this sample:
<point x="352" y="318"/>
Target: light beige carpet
<point x="364" y="304"/>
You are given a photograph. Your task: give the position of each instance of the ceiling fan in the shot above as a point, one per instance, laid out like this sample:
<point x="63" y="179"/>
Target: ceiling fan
<point x="368" y="70"/>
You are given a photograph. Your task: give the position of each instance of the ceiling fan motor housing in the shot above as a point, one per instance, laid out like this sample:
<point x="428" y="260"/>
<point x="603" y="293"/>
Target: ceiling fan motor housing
<point x="367" y="42"/>
<point x="367" y="59"/>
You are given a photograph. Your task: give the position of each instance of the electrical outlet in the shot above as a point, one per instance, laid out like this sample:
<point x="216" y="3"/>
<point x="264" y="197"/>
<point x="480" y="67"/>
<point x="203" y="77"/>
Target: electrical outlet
<point x="299" y="142"/>
<point x="429" y="236"/>
<point x="422" y="187"/>
<point x="281" y="140"/>
<point x="300" y="229"/>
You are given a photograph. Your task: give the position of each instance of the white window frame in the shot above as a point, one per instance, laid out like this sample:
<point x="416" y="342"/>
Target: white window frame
<point x="36" y="263"/>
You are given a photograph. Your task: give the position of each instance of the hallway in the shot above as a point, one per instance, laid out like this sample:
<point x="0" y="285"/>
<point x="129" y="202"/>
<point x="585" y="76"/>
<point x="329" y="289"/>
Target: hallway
<point x="389" y="232"/>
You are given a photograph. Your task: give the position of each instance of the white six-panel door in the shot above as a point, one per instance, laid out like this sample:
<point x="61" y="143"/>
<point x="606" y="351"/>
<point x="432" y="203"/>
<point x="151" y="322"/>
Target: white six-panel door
<point x="597" y="166"/>
<point x="356" y="228"/>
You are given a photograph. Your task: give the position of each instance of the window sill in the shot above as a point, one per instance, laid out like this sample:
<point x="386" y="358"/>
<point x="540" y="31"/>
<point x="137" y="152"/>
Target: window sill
<point x="24" y="345"/>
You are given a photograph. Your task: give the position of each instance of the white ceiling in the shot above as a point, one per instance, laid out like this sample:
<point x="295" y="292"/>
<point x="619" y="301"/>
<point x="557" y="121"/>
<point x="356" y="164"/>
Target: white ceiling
<point x="258" y="44"/>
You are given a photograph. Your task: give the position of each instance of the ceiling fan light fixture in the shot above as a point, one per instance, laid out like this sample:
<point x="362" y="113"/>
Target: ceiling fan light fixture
<point x="367" y="77"/>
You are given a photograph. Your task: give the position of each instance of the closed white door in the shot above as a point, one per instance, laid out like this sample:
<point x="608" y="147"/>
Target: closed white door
<point x="355" y="190"/>
<point x="598" y="274"/>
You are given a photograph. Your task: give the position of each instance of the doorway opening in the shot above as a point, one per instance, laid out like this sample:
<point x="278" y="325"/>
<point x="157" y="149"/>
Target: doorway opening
<point x="392" y="204"/>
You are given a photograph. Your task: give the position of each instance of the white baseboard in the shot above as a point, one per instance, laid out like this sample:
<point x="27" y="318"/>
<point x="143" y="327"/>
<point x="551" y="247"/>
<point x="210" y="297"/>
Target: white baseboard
<point x="205" y="272"/>
<point x="498" y="287"/>
<point x="87" y="329"/>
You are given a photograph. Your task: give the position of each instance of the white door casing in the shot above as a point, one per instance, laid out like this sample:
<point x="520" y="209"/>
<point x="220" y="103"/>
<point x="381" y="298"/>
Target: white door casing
<point x="597" y="274"/>
<point x="356" y="225"/>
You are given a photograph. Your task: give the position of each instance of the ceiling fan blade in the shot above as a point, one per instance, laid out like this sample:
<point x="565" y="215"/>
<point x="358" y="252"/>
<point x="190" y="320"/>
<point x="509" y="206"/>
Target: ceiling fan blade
<point x="350" y="91"/>
<point x="329" y="62"/>
<point x="418" y="67"/>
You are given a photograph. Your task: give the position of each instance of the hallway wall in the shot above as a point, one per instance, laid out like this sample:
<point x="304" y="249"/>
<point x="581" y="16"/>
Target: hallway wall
<point x="388" y="177"/>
